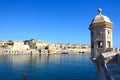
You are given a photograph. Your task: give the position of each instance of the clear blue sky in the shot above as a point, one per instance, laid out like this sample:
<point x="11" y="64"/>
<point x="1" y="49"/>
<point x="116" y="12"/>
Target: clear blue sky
<point x="55" y="20"/>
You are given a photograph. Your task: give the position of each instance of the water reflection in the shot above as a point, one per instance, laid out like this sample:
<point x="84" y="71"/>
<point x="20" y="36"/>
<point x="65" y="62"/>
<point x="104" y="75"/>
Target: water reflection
<point x="15" y="59"/>
<point x="47" y="67"/>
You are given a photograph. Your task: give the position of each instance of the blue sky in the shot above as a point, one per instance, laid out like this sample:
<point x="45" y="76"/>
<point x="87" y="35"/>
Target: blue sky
<point x="55" y="20"/>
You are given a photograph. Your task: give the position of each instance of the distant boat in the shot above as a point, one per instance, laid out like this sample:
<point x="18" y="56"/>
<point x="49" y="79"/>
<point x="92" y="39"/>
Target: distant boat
<point x="65" y="52"/>
<point x="83" y="52"/>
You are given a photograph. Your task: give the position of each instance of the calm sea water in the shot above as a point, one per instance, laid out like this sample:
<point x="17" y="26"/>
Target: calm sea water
<point x="47" y="67"/>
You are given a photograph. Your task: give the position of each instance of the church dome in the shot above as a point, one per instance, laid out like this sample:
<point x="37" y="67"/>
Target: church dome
<point x="100" y="18"/>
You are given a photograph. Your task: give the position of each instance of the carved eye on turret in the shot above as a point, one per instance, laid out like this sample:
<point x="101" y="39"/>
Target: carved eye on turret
<point x="100" y="32"/>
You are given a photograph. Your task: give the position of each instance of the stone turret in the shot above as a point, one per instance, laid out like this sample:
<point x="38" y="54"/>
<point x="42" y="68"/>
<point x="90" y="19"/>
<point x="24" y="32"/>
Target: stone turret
<point x="101" y="34"/>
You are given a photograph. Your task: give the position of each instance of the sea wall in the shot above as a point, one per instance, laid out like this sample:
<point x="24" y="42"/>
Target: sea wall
<point x="109" y="64"/>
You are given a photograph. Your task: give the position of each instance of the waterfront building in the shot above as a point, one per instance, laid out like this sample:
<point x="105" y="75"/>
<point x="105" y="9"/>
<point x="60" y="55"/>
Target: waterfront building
<point x="39" y="47"/>
<point x="19" y="45"/>
<point x="101" y="34"/>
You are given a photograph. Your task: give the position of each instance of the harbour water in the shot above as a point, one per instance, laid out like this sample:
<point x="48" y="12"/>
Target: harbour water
<point x="48" y="67"/>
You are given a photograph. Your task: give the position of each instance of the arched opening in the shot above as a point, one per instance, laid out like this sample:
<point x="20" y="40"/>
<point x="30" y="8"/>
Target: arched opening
<point x="100" y="44"/>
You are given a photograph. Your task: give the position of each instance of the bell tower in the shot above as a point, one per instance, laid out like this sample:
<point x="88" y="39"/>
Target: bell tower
<point x="101" y="34"/>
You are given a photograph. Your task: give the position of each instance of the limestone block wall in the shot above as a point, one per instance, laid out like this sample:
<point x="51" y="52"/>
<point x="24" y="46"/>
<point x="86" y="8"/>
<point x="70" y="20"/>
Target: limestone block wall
<point x="41" y="45"/>
<point x="20" y="46"/>
<point x="52" y="48"/>
<point x="116" y="50"/>
<point x="78" y="50"/>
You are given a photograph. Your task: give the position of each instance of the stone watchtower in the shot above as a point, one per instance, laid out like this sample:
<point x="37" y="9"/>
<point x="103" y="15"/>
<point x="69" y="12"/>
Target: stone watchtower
<point x="101" y="35"/>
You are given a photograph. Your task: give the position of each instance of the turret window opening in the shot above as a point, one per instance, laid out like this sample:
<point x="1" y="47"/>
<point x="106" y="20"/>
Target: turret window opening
<point x="109" y="46"/>
<point x="100" y="44"/>
<point x="108" y="31"/>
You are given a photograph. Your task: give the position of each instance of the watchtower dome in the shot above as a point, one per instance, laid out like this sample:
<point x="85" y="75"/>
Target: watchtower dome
<point x="101" y="34"/>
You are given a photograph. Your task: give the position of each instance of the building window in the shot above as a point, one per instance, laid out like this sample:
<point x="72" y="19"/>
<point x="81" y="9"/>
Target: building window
<point x="109" y="45"/>
<point x="46" y="47"/>
<point x="108" y="31"/>
<point x="100" y="44"/>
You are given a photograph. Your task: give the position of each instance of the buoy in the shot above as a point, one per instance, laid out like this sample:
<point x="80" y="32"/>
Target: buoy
<point x="24" y="74"/>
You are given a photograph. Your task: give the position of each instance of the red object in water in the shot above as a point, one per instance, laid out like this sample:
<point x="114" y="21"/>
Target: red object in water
<point x="24" y="73"/>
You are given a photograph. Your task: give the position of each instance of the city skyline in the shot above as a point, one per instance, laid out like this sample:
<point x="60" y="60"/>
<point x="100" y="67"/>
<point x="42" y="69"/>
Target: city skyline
<point x="55" y="20"/>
